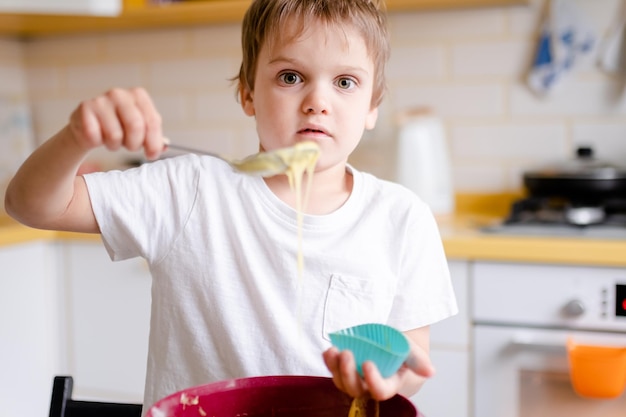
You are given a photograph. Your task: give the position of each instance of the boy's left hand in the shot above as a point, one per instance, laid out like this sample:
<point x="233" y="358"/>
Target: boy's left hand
<point x="406" y="381"/>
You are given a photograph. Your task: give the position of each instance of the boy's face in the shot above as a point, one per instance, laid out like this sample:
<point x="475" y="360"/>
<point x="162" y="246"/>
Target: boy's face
<point x="316" y="87"/>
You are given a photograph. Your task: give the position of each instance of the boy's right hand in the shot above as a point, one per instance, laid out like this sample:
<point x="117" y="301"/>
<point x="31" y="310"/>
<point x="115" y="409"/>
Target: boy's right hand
<point x="119" y="118"/>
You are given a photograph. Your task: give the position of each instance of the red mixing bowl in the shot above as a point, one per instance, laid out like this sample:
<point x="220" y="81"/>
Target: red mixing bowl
<point x="270" y="396"/>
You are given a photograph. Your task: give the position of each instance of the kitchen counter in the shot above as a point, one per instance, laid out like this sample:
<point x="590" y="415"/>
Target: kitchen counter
<point x="461" y="236"/>
<point x="463" y="239"/>
<point x="12" y="233"/>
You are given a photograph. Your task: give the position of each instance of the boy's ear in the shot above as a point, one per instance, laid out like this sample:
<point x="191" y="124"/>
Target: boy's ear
<point x="371" y="118"/>
<point x="247" y="102"/>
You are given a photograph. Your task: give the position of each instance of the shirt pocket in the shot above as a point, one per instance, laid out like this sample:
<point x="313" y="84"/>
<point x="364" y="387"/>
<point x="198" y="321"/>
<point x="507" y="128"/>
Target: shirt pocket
<point x="351" y="301"/>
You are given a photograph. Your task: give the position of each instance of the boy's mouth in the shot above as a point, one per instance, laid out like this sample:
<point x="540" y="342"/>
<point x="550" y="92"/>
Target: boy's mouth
<point x="312" y="131"/>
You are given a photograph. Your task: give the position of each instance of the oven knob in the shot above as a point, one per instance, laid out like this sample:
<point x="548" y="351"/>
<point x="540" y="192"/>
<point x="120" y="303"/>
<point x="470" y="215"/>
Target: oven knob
<point x="574" y="308"/>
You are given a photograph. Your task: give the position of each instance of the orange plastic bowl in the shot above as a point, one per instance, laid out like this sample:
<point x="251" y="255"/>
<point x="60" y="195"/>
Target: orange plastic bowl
<point x="597" y="371"/>
<point x="271" y="396"/>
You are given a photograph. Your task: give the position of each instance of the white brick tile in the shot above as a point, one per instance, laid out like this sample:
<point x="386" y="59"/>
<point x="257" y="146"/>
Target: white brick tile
<point x="154" y="43"/>
<point x="12" y="80"/>
<point x="608" y="140"/>
<point x="175" y="109"/>
<point x="96" y="78"/>
<point x="449" y="24"/>
<point x="386" y="125"/>
<point x="504" y="58"/>
<point x="525" y="20"/>
<point x="219" y="108"/>
<point x="415" y="62"/>
<point x="514" y="175"/>
<point x="480" y="99"/>
<point x="574" y="97"/>
<point x="43" y="133"/>
<point x="43" y="80"/>
<point x="84" y="48"/>
<point x="11" y="51"/>
<point x="221" y="141"/>
<point x="599" y="14"/>
<point x="502" y="142"/>
<point x="191" y="73"/>
<point x="377" y="158"/>
<point x="481" y="177"/>
<point x="52" y="114"/>
<point x="16" y="136"/>
<point x="249" y="142"/>
<point x="217" y="40"/>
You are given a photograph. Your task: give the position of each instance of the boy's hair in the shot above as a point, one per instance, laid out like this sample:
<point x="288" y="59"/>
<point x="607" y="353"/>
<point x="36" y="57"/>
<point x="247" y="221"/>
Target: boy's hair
<point x="265" y="21"/>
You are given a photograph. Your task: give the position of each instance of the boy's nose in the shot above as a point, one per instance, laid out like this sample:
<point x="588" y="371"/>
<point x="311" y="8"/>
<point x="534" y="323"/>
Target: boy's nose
<point x="315" y="102"/>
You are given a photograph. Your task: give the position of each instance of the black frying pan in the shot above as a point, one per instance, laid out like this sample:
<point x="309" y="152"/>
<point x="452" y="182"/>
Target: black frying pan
<point x="584" y="180"/>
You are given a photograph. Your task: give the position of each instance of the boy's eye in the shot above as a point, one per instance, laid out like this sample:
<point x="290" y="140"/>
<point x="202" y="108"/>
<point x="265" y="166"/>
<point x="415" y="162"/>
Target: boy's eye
<point x="345" y="83"/>
<point x="290" y="78"/>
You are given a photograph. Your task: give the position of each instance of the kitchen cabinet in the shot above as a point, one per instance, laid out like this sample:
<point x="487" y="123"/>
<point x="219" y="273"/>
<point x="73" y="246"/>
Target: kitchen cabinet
<point x="108" y="321"/>
<point x="83" y="7"/>
<point x="448" y="392"/>
<point x="30" y="329"/>
<point x="522" y="318"/>
<point x="184" y="13"/>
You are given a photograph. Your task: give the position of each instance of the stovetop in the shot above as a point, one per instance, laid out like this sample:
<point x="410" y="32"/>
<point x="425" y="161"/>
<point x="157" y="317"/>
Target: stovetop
<point x="535" y="216"/>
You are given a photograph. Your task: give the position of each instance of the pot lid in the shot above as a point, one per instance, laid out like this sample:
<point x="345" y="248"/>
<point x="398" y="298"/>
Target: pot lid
<point x="584" y="166"/>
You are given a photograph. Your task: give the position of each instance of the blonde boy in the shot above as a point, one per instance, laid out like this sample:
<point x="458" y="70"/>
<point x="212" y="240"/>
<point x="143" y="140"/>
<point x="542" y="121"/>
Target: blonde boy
<point x="221" y="245"/>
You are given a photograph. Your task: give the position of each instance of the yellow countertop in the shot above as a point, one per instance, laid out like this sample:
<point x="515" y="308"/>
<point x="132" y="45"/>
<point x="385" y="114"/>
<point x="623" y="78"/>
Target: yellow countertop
<point x="461" y="237"/>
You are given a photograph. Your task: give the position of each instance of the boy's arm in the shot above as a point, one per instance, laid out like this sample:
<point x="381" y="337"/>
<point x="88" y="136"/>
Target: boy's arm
<point x="46" y="192"/>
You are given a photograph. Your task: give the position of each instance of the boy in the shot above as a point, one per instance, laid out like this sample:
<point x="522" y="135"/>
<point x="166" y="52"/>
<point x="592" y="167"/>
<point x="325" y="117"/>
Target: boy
<point x="226" y="298"/>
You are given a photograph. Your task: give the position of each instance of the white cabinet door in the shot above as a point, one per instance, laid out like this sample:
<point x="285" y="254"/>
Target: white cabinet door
<point x="447" y="393"/>
<point x="109" y="321"/>
<point x="29" y="335"/>
<point x="454" y="332"/>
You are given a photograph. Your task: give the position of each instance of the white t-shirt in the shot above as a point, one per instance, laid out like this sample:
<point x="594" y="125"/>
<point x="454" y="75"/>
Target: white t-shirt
<point x="227" y="300"/>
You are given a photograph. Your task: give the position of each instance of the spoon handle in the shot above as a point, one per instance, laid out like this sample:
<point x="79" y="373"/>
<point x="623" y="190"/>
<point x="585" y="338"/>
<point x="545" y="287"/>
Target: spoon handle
<point x="193" y="150"/>
<point x="262" y="164"/>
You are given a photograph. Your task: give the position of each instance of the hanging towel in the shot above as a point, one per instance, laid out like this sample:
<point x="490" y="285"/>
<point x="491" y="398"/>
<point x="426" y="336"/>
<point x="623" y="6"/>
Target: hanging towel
<point x="612" y="55"/>
<point x="564" y="39"/>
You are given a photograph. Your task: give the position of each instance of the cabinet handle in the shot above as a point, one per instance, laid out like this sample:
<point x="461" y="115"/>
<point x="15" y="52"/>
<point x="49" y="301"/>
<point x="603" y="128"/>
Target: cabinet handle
<point x="530" y="344"/>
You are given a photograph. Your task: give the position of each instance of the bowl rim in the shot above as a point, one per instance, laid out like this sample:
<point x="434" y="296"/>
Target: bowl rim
<point x="308" y="381"/>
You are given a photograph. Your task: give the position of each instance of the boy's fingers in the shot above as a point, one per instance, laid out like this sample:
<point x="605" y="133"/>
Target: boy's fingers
<point x="352" y="382"/>
<point x="420" y="365"/>
<point x="331" y="359"/>
<point x="380" y="389"/>
<point x="153" y="141"/>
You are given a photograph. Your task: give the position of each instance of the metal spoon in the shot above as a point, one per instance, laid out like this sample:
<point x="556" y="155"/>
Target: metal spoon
<point x="265" y="164"/>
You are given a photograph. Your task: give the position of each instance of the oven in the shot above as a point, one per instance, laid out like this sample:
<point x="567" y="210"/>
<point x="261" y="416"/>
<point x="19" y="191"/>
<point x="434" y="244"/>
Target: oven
<point x="523" y="318"/>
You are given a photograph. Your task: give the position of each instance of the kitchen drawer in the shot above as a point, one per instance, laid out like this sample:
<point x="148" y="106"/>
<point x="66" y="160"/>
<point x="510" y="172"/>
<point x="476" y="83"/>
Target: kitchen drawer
<point x="454" y="331"/>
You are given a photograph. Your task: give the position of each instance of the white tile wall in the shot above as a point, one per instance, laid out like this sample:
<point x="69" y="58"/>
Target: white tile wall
<point x="468" y="65"/>
<point x="16" y="138"/>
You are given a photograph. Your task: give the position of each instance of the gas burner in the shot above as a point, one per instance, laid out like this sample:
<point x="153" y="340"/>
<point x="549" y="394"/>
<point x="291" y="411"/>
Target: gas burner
<point x="543" y="210"/>
<point x="561" y="217"/>
<point x="584" y="216"/>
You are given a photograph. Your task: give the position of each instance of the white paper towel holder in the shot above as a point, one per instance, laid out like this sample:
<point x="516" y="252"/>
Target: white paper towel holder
<point x="423" y="162"/>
